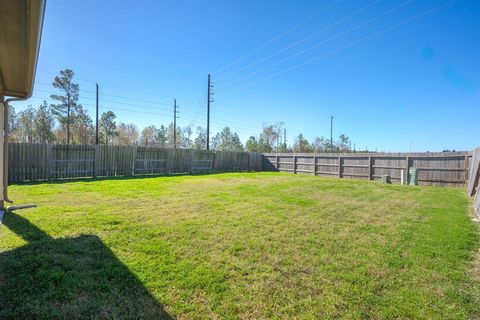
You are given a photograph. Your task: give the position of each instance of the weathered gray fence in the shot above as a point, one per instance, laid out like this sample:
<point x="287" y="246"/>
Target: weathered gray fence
<point x="31" y="162"/>
<point x="444" y="169"/>
<point x="473" y="189"/>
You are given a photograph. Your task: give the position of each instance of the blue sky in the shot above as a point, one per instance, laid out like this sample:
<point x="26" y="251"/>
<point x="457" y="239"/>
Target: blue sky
<point x="390" y="72"/>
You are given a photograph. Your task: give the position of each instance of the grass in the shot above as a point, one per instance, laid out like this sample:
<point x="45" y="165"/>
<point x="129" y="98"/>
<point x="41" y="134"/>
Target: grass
<point x="250" y="246"/>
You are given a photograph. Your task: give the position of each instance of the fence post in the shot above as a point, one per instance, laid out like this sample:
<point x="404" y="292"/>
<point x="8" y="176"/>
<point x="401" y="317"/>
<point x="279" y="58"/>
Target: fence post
<point x="339" y="166"/>
<point x="370" y="164"/>
<point x="294" y="164"/>
<point x="314" y="165"/>
<point x="134" y="157"/>
<point x="213" y="161"/>
<point x="276" y="163"/>
<point x="94" y="161"/>
<point x="49" y="161"/>
<point x="466" y="170"/>
<point x="98" y="160"/>
<point x="407" y="174"/>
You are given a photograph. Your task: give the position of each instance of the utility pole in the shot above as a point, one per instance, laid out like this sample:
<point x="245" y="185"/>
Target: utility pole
<point x="284" y="147"/>
<point x="209" y="100"/>
<point x="96" y="118"/>
<point x="174" y="123"/>
<point x="331" y="133"/>
<point x="68" y="118"/>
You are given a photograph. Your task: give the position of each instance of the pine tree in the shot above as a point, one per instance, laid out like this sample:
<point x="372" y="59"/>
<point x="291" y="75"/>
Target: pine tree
<point x="226" y="140"/>
<point x="200" y="141"/>
<point x="108" y="127"/>
<point x="301" y="144"/>
<point x="44" y="124"/>
<point x="252" y="144"/>
<point x="83" y="129"/>
<point x="67" y="107"/>
<point x="161" y="136"/>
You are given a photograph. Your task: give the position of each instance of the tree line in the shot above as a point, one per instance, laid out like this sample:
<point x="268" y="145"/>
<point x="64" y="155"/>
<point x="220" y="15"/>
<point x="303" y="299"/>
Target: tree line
<point x="67" y="121"/>
<point x="273" y="139"/>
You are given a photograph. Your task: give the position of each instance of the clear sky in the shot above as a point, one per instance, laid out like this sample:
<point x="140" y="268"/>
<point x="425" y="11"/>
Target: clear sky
<point x="390" y="72"/>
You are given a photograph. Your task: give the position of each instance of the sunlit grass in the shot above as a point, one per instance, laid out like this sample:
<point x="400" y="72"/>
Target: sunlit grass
<point x="252" y="245"/>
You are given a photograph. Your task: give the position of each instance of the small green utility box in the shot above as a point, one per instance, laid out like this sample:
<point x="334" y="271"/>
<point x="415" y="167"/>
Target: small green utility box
<point x="413" y="175"/>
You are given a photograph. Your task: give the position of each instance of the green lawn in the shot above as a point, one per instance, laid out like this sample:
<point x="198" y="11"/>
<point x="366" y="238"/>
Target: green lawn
<point x="249" y="246"/>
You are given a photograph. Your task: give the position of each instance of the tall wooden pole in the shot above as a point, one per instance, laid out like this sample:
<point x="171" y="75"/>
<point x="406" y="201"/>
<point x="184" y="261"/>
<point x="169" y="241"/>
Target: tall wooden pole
<point x="68" y="118"/>
<point x="331" y="133"/>
<point x="96" y="117"/>
<point x="208" y="113"/>
<point x="174" y="123"/>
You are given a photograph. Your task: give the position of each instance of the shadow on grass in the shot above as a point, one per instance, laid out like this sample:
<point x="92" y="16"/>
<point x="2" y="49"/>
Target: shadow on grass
<point x="146" y="176"/>
<point x="69" y="278"/>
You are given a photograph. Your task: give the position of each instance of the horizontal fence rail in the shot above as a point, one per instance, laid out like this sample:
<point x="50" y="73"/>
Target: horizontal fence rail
<point x="442" y="169"/>
<point x="35" y="162"/>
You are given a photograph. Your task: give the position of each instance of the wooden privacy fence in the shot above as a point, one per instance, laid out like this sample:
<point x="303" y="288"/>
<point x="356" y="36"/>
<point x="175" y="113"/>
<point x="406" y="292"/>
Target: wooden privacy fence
<point x="443" y="169"/>
<point x="473" y="189"/>
<point x="32" y="162"/>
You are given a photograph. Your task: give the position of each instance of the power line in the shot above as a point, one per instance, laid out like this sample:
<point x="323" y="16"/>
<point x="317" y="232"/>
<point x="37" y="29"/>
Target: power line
<point x="236" y="129"/>
<point x="112" y="85"/>
<point x="276" y="38"/>
<point x="123" y="89"/>
<point x="134" y="107"/>
<point x="237" y="116"/>
<point x="321" y="43"/>
<point x="223" y="122"/>
<point x="301" y="40"/>
<point x="155" y="103"/>
<point x="115" y="108"/>
<point x="134" y="111"/>
<point x="110" y="95"/>
<point x="236" y="123"/>
<point x="49" y="84"/>
<point x="109" y="107"/>
<point x="344" y="47"/>
<point x="184" y="101"/>
<point x="198" y="113"/>
<point x="218" y="123"/>
<point x="117" y="102"/>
